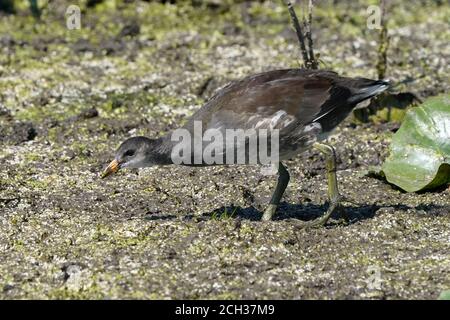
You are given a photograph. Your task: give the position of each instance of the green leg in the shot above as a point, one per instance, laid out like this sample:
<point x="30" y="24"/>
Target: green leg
<point x="35" y="8"/>
<point x="333" y="192"/>
<point x="283" y="180"/>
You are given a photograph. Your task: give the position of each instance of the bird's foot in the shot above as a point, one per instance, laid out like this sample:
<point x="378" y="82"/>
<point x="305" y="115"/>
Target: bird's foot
<point x="269" y="212"/>
<point x="335" y="205"/>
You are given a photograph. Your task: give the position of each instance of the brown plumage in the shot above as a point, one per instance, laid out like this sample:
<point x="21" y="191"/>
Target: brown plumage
<point x="306" y="95"/>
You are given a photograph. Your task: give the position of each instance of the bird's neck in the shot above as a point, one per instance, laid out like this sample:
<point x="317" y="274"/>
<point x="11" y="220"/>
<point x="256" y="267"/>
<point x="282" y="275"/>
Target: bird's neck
<point x="162" y="150"/>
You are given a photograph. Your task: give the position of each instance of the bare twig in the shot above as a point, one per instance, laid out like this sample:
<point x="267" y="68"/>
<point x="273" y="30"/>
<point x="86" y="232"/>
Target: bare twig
<point x="298" y="30"/>
<point x="309" y="60"/>
<point x="312" y="58"/>
<point x="384" y="43"/>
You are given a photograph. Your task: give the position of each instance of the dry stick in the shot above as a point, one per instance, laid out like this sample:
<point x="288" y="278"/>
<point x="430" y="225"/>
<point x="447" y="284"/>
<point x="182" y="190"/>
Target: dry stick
<point x="384" y="43"/>
<point x="312" y="58"/>
<point x="382" y="56"/>
<point x="300" y="36"/>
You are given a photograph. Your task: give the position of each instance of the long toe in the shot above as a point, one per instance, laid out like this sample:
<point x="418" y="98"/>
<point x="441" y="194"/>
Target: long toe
<point x="321" y="221"/>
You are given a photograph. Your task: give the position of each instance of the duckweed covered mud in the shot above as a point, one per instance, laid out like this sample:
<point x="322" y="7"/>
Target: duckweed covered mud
<point x="68" y="98"/>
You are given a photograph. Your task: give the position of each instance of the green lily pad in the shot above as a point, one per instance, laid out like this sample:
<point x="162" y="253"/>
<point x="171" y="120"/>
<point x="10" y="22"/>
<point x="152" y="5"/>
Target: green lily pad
<point x="420" y="149"/>
<point x="445" y="295"/>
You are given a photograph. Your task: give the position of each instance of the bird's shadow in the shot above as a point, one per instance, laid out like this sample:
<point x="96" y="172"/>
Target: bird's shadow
<point x="302" y="212"/>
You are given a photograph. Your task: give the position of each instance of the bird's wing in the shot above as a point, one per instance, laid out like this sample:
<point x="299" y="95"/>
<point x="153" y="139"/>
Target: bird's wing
<point x="271" y="100"/>
<point x="299" y="103"/>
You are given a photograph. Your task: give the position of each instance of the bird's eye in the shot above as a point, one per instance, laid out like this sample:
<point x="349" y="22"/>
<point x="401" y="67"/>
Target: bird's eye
<point x="129" y="153"/>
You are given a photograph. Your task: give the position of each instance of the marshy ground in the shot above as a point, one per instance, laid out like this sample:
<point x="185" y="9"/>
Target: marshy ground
<point x="69" y="97"/>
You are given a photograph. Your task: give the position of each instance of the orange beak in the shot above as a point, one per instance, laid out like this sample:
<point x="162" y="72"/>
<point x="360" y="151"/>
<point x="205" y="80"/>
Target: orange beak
<point x="113" y="167"/>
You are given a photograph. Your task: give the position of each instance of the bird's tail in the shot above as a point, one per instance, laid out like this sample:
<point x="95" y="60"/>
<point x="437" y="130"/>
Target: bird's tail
<point x="367" y="89"/>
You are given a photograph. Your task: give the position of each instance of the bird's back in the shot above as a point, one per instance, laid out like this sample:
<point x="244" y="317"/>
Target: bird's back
<point x="302" y="104"/>
<point x="274" y="99"/>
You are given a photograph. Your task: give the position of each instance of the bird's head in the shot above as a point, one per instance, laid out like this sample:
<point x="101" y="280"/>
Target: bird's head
<point x="133" y="153"/>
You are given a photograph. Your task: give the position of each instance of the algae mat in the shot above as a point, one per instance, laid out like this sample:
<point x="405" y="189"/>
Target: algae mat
<point x="69" y="97"/>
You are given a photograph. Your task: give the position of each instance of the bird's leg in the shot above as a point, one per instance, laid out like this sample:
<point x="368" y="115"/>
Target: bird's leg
<point x="333" y="192"/>
<point x="283" y="180"/>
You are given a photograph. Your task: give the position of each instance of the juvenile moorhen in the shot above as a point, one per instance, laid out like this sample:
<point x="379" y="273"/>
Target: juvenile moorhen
<point x="305" y="105"/>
